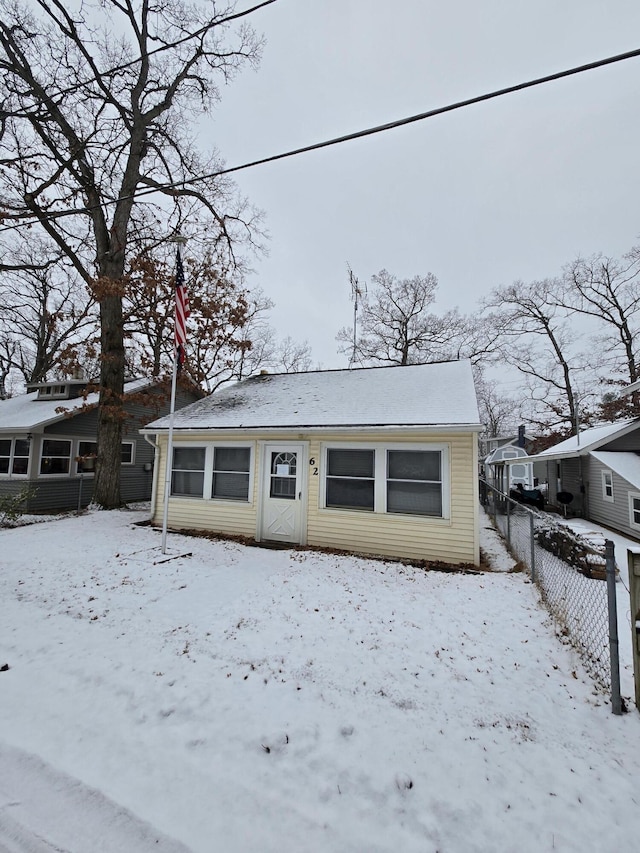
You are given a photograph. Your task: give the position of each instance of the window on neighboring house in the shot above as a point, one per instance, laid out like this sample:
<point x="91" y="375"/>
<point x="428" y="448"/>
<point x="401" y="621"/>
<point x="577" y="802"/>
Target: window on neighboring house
<point x="350" y="478"/>
<point x="86" y="457"/>
<point x="14" y="456"/>
<point x="414" y="482"/>
<point x="231" y="467"/>
<point x="607" y="486"/>
<point x="56" y="456"/>
<point x="126" y="453"/>
<point x="187" y="477"/>
<point x="634" y="510"/>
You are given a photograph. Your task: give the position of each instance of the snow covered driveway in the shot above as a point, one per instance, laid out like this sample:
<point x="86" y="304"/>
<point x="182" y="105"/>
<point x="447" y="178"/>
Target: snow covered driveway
<point x="253" y="701"/>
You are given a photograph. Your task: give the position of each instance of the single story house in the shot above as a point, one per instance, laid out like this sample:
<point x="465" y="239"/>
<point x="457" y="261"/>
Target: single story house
<point x="380" y="461"/>
<point x="596" y="475"/>
<point x="48" y="442"/>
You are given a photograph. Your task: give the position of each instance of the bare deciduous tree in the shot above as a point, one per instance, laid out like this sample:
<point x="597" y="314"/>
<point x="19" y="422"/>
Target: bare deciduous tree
<point x="608" y="290"/>
<point x="538" y="342"/>
<point x="46" y="311"/>
<point x="394" y="324"/>
<point x="98" y="102"/>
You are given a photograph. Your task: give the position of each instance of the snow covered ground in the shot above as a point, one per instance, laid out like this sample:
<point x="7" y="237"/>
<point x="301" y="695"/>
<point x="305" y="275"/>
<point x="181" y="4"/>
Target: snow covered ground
<point x="244" y="700"/>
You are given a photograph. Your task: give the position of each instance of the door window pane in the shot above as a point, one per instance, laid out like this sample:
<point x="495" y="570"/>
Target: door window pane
<point x="283" y="475"/>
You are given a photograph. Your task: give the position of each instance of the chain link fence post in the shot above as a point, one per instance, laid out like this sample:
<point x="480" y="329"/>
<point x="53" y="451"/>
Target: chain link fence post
<point x="616" y="699"/>
<point x="532" y="539"/>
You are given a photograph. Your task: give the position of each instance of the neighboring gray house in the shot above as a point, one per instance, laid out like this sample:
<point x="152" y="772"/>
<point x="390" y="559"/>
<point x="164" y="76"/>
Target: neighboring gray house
<point x="600" y="471"/>
<point x="48" y="442"/>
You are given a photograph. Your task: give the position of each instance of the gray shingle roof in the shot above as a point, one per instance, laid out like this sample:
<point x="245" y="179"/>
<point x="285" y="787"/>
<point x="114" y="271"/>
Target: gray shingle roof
<point x="440" y="394"/>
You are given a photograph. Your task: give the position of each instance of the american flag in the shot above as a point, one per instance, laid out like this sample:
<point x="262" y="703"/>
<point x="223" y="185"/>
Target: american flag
<point x="182" y="311"/>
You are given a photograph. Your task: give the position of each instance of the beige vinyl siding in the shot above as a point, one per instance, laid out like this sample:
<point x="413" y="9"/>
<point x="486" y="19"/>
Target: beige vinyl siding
<point x="233" y="518"/>
<point x="450" y="540"/>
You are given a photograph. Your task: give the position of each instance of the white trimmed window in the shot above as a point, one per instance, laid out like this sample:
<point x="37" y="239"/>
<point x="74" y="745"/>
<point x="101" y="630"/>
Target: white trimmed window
<point x="56" y="456"/>
<point x="607" y="486"/>
<point x="86" y="458"/>
<point x="634" y="510"/>
<point x="14" y="456"/>
<point x="218" y="472"/>
<point x="401" y="479"/>
<point x="187" y="475"/>
<point x="414" y="482"/>
<point x="350" y="482"/>
<point x="127" y="453"/>
<point x="231" y="473"/>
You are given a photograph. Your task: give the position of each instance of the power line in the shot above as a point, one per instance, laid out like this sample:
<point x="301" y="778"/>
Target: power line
<point x="496" y="93"/>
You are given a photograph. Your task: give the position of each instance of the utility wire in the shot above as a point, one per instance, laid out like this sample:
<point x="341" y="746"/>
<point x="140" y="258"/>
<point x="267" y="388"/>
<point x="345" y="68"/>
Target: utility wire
<point x="497" y="93"/>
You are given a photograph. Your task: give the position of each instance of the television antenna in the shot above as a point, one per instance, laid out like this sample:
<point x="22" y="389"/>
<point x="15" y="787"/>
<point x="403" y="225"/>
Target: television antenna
<point x="357" y="292"/>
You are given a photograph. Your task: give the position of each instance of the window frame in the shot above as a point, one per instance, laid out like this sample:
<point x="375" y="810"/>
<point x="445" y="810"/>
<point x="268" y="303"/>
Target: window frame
<point x="70" y="470"/>
<point x="10" y="473"/>
<point x="327" y="476"/>
<point x="634" y="525"/>
<point x="207" y="488"/>
<point x="380" y="476"/>
<point x="132" y="461"/>
<point x="248" y="472"/>
<point x="389" y="479"/>
<point x="606" y="496"/>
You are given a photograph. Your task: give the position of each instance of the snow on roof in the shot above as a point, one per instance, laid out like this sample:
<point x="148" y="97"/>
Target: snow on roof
<point x="587" y="441"/>
<point x="26" y="412"/>
<point x="626" y="464"/>
<point x="440" y="394"/>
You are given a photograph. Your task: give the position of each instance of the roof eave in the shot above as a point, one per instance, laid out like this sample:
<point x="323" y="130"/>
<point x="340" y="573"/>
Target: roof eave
<point x="316" y="430"/>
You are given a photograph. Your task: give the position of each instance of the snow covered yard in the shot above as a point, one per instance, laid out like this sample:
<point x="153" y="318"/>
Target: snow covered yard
<point x="249" y="701"/>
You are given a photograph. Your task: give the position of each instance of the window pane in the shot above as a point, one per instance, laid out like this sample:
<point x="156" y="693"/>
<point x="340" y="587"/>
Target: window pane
<point x="20" y="465"/>
<point x="283" y="487"/>
<point x="55" y="456"/>
<point x="5" y="447"/>
<point x="350" y="493"/>
<point x="230" y="485"/>
<point x="231" y="459"/>
<point x="54" y="447"/>
<point x="188" y="471"/>
<point x="4" y="465"/>
<point x="189" y="458"/>
<point x="187" y="483"/>
<point x="350" y="463"/>
<point x="21" y="448"/>
<point x="126" y="453"/>
<point x="414" y="465"/>
<point x="414" y="498"/>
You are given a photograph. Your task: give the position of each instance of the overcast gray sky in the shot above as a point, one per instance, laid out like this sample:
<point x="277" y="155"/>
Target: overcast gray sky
<point x="510" y="189"/>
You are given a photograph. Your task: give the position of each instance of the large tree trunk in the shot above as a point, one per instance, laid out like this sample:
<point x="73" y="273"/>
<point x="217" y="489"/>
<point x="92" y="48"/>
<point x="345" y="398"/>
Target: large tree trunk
<point x="106" y="487"/>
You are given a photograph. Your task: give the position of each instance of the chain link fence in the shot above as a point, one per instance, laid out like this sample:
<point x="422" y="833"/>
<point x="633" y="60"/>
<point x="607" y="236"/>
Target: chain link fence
<point x="573" y="581"/>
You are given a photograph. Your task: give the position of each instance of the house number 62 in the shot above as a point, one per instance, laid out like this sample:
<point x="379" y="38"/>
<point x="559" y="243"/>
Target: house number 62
<point x="312" y="462"/>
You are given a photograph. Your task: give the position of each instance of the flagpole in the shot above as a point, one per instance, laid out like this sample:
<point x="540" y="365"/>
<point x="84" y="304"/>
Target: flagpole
<point x="169" y="460"/>
<point x="174" y="381"/>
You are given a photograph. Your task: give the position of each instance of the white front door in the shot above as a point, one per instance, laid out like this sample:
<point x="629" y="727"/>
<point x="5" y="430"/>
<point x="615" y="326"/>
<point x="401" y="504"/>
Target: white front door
<point x="283" y="485"/>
